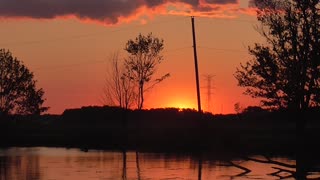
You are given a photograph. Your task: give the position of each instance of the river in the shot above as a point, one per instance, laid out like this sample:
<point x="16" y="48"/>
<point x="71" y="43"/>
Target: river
<point x="47" y="163"/>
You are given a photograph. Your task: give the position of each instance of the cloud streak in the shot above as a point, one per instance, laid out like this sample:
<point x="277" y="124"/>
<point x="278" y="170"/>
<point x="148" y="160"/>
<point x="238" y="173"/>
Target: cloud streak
<point x="116" y="11"/>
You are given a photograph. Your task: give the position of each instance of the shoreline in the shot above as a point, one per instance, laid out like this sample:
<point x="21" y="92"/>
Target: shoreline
<point x="161" y="130"/>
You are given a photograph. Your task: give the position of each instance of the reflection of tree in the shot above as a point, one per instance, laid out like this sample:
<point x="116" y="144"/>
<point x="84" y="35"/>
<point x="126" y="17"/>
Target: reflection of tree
<point x="138" y="165"/>
<point x="303" y="167"/>
<point x="32" y="168"/>
<point x="268" y="160"/>
<point x="307" y="164"/>
<point x="124" y="165"/>
<point x="300" y="171"/>
<point x="200" y="168"/>
<point x="280" y="169"/>
<point x="27" y="167"/>
<point x="232" y="164"/>
<point x="11" y="168"/>
<point x="3" y="168"/>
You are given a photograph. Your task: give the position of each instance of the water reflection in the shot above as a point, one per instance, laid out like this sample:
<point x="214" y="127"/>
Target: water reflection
<point x="124" y="166"/>
<point x="200" y="168"/>
<point x="59" y="163"/>
<point x="19" y="167"/>
<point x="137" y="165"/>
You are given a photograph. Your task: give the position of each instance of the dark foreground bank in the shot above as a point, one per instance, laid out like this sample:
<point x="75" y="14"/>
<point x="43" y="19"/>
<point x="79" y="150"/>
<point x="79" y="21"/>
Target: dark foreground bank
<point x="162" y="130"/>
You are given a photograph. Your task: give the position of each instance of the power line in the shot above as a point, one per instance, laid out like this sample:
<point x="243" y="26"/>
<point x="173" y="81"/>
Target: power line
<point x="222" y="49"/>
<point x="67" y="66"/>
<point x="88" y="35"/>
<point x="176" y="49"/>
<point x="227" y="19"/>
<point x="73" y="65"/>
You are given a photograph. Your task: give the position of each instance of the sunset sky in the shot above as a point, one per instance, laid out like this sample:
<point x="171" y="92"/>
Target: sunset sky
<point x="67" y="44"/>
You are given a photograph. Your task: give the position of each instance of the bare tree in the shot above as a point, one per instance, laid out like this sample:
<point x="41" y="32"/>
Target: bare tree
<point x="119" y="87"/>
<point x="144" y="56"/>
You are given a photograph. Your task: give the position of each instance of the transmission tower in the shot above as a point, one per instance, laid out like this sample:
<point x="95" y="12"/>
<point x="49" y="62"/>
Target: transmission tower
<point x="209" y="79"/>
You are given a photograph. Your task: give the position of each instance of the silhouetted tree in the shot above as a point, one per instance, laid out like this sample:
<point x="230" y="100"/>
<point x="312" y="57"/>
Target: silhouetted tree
<point x="253" y="109"/>
<point x="119" y="87"/>
<point x="238" y="108"/>
<point x="285" y="72"/>
<point x="144" y="56"/>
<point x="18" y="93"/>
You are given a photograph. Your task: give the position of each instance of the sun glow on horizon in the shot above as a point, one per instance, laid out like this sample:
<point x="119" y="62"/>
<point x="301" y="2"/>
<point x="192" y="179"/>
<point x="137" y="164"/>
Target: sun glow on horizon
<point x="182" y="105"/>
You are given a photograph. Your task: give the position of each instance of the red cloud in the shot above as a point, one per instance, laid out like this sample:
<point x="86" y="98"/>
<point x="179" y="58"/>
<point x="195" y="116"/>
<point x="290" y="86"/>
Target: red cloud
<point x="117" y="11"/>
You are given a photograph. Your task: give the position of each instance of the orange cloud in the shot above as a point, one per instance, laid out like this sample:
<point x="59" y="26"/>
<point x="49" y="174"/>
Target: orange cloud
<point x="113" y="12"/>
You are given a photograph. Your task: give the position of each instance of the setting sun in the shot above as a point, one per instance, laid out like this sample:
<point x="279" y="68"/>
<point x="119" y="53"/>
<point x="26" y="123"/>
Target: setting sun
<point x="182" y="105"/>
<point x="87" y="40"/>
<point x="159" y="89"/>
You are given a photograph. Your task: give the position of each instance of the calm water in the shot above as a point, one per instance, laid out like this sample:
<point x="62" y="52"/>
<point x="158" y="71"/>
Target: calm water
<point x="64" y="164"/>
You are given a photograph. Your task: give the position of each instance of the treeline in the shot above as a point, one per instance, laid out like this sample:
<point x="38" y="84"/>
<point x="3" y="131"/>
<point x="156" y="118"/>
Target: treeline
<point x="166" y="129"/>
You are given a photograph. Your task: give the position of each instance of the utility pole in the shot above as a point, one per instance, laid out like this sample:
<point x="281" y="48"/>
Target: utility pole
<point x="196" y="64"/>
